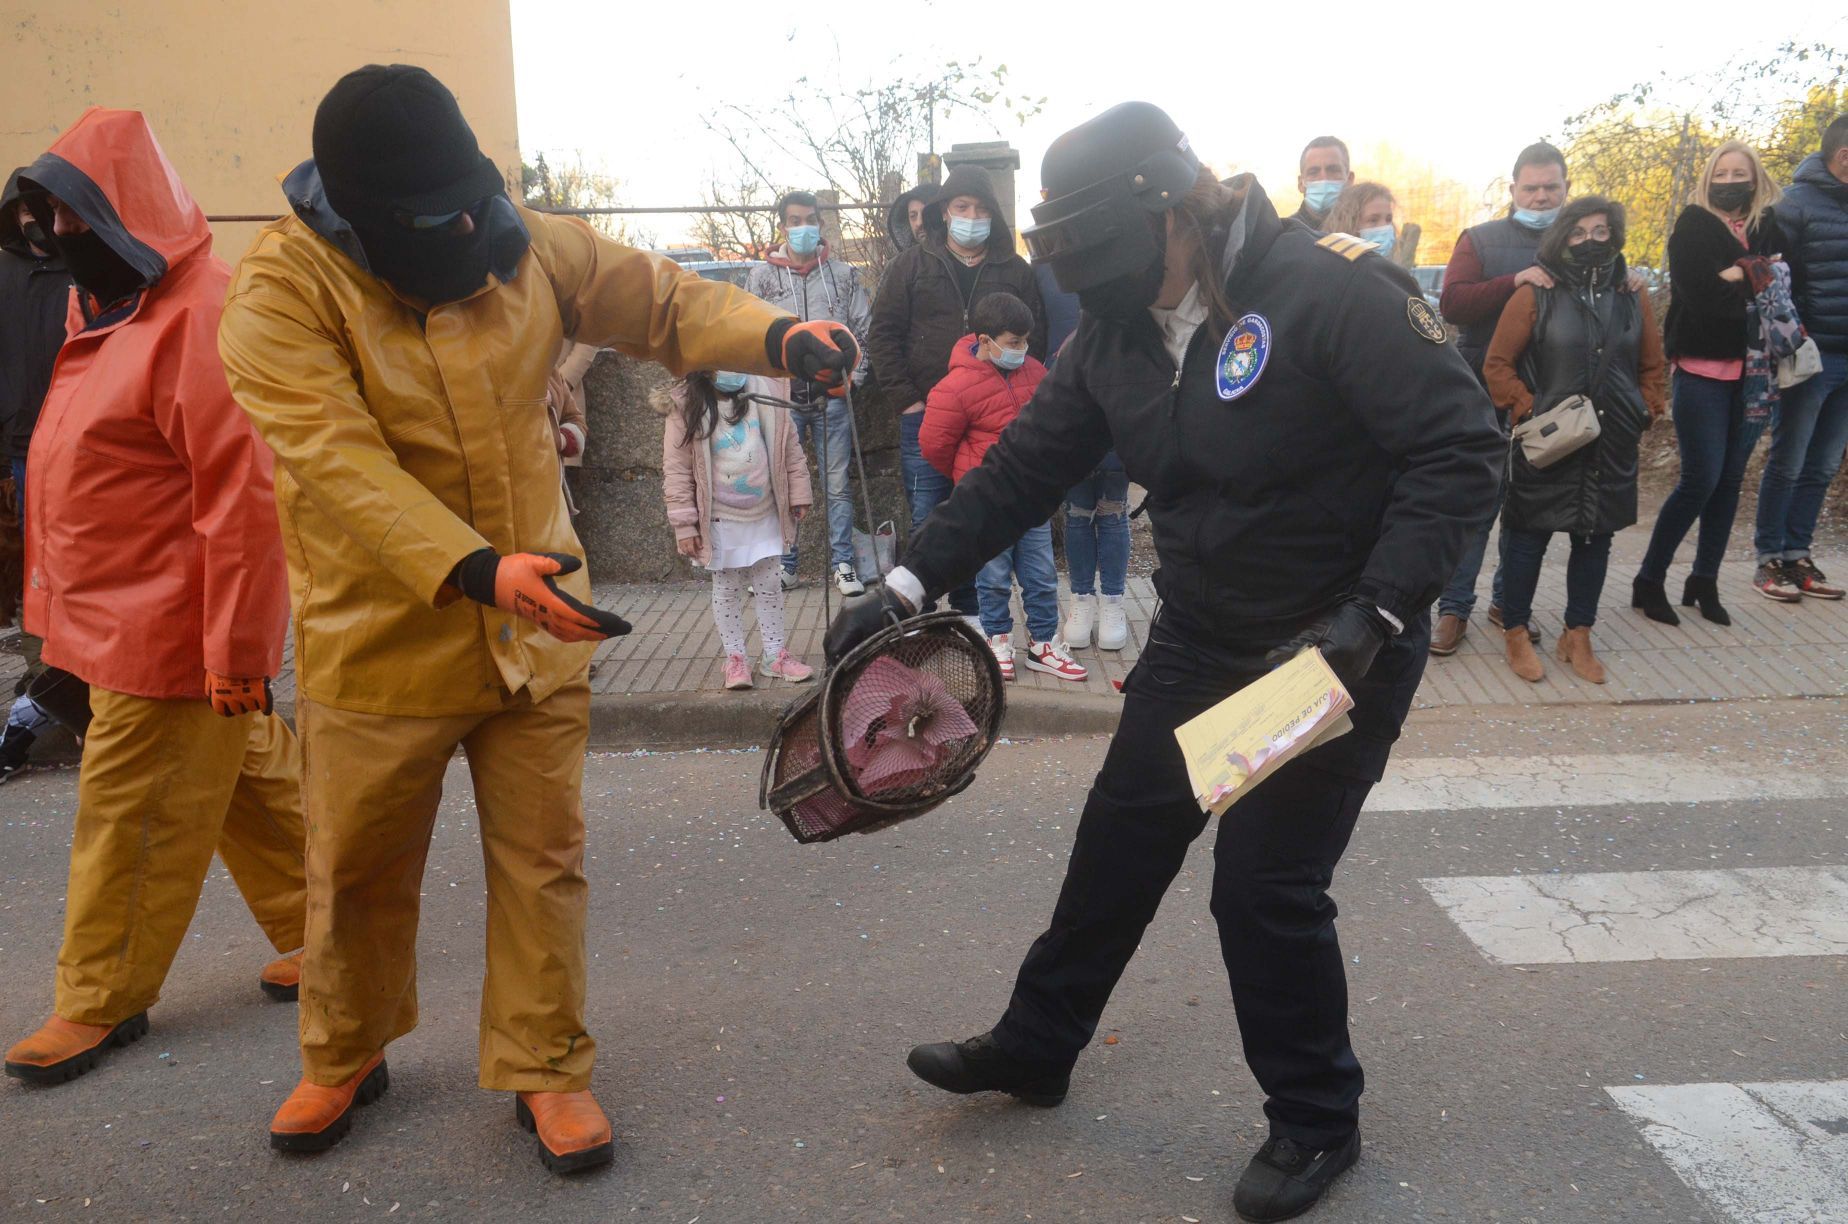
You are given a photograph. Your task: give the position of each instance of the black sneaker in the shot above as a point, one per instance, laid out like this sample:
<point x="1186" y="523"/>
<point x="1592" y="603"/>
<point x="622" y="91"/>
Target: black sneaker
<point x="979" y="1065"/>
<point x="1286" y="1179"/>
<point x="15" y="748"/>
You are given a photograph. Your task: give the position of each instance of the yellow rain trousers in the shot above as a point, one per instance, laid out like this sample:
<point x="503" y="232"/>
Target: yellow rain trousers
<point x="164" y="784"/>
<point x="372" y="784"/>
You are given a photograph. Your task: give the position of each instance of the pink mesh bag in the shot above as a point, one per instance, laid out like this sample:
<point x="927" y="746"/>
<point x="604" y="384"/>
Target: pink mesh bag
<point x="894" y="730"/>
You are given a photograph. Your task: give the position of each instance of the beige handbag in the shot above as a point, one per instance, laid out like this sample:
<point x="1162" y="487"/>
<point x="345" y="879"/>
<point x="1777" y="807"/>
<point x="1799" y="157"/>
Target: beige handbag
<point x="1547" y="437"/>
<point x="1800" y="366"/>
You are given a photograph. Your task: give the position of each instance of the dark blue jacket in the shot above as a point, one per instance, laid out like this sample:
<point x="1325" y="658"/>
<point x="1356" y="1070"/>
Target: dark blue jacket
<point x="1814" y="217"/>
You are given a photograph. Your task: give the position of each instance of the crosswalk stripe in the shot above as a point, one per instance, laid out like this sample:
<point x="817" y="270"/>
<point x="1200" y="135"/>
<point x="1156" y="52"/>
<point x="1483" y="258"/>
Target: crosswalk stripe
<point x="1650" y="915"/>
<point x="1420" y="784"/>
<point x="1757" y="1153"/>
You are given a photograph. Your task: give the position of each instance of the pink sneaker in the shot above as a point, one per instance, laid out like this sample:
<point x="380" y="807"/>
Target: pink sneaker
<point x="1051" y="658"/>
<point x="737" y="672"/>
<point x="787" y="667"/>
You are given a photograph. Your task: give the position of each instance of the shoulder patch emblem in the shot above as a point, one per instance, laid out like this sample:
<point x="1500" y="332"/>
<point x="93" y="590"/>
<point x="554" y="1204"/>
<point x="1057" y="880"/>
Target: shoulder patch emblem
<point x="1424" y="320"/>
<point x="1243" y="356"/>
<point x="1347" y="246"/>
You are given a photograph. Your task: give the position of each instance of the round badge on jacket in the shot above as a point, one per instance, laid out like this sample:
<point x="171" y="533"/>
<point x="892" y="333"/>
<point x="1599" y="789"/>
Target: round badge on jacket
<point x="1243" y="355"/>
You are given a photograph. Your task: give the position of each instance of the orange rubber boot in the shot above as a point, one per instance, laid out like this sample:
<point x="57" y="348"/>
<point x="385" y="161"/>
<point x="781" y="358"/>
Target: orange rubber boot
<point x="281" y="979"/>
<point x="63" y="1049"/>
<point x="573" y="1133"/>
<point x="316" y="1117"/>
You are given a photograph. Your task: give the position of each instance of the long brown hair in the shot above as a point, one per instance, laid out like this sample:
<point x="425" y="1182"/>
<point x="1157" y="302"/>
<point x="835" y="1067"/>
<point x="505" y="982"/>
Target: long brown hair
<point x="699" y="406"/>
<point x="1554" y="242"/>
<point x="1205" y="216"/>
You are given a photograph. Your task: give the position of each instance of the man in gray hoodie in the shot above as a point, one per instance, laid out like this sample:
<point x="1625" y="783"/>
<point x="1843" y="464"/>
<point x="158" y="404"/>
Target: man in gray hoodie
<point x="800" y="276"/>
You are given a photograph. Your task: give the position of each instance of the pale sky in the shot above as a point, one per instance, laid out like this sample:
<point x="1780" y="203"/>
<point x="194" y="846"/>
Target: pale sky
<point x="626" y="83"/>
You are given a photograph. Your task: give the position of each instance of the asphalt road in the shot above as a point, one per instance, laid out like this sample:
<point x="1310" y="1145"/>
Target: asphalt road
<point x="753" y="1001"/>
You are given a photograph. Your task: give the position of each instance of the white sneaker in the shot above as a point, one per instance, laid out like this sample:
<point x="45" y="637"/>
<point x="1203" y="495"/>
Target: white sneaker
<point x="1053" y="659"/>
<point x="1078" y="625"/>
<point x="848" y="581"/>
<point x="789" y="580"/>
<point x="1003" y="647"/>
<point x="1112" y="623"/>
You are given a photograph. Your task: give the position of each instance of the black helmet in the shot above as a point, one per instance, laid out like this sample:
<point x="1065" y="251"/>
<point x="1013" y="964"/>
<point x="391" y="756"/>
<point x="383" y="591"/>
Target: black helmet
<point x="1103" y="180"/>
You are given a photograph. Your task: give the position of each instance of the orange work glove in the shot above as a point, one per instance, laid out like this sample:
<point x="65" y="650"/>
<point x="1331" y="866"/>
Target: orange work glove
<point x="233" y="695"/>
<point x="820" y="351"/>
<point x="523" y="585"/>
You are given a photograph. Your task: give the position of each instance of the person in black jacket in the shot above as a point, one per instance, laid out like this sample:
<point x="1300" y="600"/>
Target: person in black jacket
<point x="1588" y="334"/>
<point x="1705" y="337"/>
<point x="1313" y="453"/>
<point x="926" y="303"/>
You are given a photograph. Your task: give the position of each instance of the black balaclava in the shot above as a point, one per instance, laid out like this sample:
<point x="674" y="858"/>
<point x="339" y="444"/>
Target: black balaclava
<point x="92" y="262"/>
<point x="390" y="143"/>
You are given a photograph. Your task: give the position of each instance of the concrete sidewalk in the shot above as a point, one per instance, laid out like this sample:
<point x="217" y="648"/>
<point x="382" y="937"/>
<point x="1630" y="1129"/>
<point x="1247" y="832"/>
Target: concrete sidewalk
<point x="661" y="686"/>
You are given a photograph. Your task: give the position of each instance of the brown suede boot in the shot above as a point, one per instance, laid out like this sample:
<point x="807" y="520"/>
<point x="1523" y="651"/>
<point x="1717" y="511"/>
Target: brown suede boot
<point x="573" y="1132"/>
<point x="315" y="1117"/>
<point x="281" y="979"/>
<point x="1521" y="657"/>
<point x="1575" y="650"/>
<point x="63" y="1049"/>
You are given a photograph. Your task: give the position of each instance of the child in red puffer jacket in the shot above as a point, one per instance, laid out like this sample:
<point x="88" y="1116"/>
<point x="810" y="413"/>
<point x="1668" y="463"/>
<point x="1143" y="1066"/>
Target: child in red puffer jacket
<point x="991" y="379"/>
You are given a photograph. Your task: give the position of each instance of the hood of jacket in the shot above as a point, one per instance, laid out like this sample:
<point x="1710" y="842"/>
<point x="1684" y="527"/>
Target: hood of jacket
<point x="1815" y="172"/>
<point x="12" y="238"/>
<point x="307" y="198"/>
<point x="970" y="181"/>
<point x="111" y="171"/>
<point x="898" y="217"/>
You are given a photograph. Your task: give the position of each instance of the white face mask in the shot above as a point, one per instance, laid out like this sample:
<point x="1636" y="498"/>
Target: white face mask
<point x="970" y="231"/>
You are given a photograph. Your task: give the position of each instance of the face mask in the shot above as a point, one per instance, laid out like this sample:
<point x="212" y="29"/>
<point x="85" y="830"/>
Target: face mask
<point x="1380" y="236"/>
<point x="434" y="266"/>
<point x="1592" y="253"/>
<point x="95" y="266"/>
<point x="728" y="383"/>
<point x="804" y="239"/>
<point x="1321" y="196"/>
<point x="1730" y="197"/>
<point x="35" y="234"/>
<point x="969" y="232"/>
<point x="1009" y="359"/>
<point x="1535" y="218"/>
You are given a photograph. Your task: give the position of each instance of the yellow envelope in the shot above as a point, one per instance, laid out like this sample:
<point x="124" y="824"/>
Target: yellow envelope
<point x="1245" y="738"/>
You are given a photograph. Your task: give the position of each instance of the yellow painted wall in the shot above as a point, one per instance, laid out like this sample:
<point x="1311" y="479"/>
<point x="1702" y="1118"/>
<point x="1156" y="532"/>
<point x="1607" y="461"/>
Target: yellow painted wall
<point x="230" y="88"/>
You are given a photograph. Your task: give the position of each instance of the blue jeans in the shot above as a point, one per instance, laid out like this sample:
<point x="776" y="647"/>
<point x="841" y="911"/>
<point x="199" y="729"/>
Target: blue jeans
<point x="837" y="425"/>
<point x="1808" y="435"/>
<point x="926" y="488"/>
<point x="1030" y="561"/>
<point x="1715" y="440"/>
<point x="1097" y="530"/>
<point x="1585" y="570"/>
<point x="1459" y="598"/>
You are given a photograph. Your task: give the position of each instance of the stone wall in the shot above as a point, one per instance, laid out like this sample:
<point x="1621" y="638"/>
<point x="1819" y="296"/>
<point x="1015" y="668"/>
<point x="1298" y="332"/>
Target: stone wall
<point x="621" y="519"/>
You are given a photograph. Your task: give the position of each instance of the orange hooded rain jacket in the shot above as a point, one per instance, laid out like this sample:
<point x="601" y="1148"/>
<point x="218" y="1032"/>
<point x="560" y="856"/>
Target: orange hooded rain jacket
<point x="152" y="550"/>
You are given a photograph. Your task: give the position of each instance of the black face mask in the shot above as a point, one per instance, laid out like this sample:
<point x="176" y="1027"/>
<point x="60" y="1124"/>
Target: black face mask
<point x="434" y="266"/>
<point x="1730" y="197"/>
<point x="96" y="268"/>
<point x="34" y="233"/>
<point x="1592" y="253"/>
<point x="1129" y="296"/>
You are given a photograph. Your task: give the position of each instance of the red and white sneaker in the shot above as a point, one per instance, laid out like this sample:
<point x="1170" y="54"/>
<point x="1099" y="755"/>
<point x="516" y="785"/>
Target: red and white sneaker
<point x="737" y="672"/>
<point x="1003" y="646"/>
<point x="786" y="666"/>
<point x="1810" y="580"/>
<point x="1052" y="658"/>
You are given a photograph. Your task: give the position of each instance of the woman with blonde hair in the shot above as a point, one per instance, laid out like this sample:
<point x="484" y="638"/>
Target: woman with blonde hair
<point x="1365" y="211"/>
<point x="1730" y="224"/>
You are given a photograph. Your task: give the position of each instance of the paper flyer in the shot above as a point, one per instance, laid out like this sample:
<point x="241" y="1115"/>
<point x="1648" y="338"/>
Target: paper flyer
<point x="1239" y="742"/>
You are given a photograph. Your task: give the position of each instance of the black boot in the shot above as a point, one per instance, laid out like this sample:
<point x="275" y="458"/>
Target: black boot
<point x="15" y="747"/>
<point x="979" y="1065"/>
<point x="1704" y="593"/>
<point x="1286" y="1179"/>
<point x="1648" y="596"/>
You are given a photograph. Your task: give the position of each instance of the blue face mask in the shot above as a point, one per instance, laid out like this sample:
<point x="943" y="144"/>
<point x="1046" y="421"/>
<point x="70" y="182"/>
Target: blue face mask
<point x="1535" y="219"/>
<point x="1321" y="196"/>
<point x="1380" y="236"/>
<point x="969" y="232"/>
<point x="804" y="239"/>
<point x="728" y="383"/>
<point x="1010" y="359"/>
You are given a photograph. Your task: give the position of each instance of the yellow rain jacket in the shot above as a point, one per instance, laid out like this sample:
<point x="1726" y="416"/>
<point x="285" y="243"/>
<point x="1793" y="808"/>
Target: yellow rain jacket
<point x="406" y="441"/>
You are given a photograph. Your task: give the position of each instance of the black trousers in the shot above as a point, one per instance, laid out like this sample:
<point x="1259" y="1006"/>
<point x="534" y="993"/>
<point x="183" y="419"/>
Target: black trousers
<point x="1274" y="859"/>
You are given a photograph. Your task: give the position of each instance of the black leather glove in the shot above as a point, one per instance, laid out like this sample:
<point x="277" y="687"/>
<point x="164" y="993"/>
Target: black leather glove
<point x="820" y="351"/>
<point x="861" y="617"/>
<point x="1349" y="638"/>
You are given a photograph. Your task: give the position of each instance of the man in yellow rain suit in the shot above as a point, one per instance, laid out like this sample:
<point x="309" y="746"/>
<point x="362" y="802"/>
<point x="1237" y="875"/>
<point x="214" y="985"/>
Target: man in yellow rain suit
<point x="391" y="341"/>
